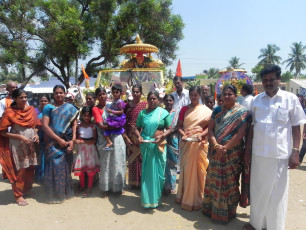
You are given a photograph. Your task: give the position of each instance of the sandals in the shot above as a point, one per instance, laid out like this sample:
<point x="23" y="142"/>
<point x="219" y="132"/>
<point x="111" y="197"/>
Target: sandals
<point x="108" y="148"/>
<point x="22" y="202"/>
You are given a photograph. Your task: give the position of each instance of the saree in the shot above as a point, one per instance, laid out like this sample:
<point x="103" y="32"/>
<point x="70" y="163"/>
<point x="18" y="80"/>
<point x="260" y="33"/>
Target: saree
<point x="133" y="151"/>
<point x="112" y="162"/>
<point x="17" y="158"/>
<point x="172" y="155"/>
<point x="57" y="180"/>
<point x="193" y="159"/>
<point x="221" y="195"/>
<point x="40" y="169"/>
<point x="153" y="156"/>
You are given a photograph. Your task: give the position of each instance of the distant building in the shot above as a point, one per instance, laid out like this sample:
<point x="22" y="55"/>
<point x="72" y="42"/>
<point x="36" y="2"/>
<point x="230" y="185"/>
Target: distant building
<point x="297" y="86"/>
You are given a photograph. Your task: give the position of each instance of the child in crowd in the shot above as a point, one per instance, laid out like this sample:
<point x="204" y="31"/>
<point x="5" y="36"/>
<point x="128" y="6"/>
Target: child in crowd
<point x="210" y="102"/>
<point x="219" y="100"/>
<point x="116" y="118"/>
<point x="87" y="159"/>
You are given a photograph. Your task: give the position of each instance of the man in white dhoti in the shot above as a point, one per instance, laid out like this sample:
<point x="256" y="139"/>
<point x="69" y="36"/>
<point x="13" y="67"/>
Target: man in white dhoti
<point x="277" y="116"/>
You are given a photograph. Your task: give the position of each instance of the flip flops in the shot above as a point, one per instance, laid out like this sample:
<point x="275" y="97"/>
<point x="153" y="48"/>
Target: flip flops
<point x="108" y="148"/>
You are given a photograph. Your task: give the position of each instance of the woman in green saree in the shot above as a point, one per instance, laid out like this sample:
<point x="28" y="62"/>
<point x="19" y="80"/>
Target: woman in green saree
<point x="153" y="126"/>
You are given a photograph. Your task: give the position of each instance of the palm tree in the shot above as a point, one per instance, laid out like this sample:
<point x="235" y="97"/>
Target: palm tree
<point x="234" y="63"/>
<point x="297" y="58"/>
<point x="212" y="73"/>
<point x="268" y="55"/>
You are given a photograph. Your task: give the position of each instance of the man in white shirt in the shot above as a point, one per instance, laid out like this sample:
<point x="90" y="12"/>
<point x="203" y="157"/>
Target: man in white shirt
<point x="5" y="102"/>
<point x="181" y="95"/>
<point x="277" y="116"/>
<point x="246" y="91"/>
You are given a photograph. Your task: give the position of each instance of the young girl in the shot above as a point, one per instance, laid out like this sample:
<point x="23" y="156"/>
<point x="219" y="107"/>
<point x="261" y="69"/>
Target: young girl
<point x="116" y="118"/>
<point x="87" y="160"/>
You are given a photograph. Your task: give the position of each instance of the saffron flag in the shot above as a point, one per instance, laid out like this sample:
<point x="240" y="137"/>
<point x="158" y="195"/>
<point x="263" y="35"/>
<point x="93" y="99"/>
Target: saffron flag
<point x="179" y="69"/>
<point x="84" y="73"/>
<point x="256" y="92"/>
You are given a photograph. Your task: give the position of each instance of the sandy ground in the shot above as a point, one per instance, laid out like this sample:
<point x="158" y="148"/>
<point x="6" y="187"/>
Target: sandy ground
<point x="124" y="211"/>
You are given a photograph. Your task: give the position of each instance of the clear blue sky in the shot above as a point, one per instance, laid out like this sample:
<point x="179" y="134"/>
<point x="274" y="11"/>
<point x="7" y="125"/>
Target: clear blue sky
<point x="217" y="30"/>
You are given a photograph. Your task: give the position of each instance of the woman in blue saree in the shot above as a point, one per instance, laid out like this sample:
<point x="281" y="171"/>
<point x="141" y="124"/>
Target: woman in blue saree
<point x="59" y="125"/>
<point x="40" y="169"/>
<point x="154" y="125"/>
<point x="172" y="147"/>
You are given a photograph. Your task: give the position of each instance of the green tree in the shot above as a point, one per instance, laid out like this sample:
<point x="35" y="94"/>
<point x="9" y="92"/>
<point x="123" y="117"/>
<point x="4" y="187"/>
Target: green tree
<point x="212" y="73"/>
<point x="286" y="76"/>
<point x="297" y="58"/>
<point x="234" y="63"/>
<point x="256" y="73"/>
<point x="52" y="35"/>
<point x="268" y="55"/>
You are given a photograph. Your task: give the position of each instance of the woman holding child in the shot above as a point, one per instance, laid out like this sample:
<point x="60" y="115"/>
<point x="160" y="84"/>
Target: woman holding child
<point x="112" y="152"/>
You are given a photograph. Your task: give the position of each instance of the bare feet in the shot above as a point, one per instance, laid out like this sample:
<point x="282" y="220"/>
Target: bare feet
<point x="105" y="194"/>
<point x="21" y="201"/>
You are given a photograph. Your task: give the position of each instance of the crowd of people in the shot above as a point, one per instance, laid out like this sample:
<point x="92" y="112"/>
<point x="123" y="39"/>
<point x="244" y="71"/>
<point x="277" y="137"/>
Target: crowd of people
<point x="212" y="147"/>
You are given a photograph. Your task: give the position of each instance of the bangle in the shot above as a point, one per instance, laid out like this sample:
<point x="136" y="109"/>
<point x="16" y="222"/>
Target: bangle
<point x="296" y="149"/>
<point x="215" y="146"/>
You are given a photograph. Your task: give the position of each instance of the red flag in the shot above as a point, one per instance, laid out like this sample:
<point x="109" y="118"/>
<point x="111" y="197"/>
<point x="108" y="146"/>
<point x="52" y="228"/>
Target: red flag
<point x="179" y="69"/>
<point x="256" y="92"/>
<point x="84" y="73"/>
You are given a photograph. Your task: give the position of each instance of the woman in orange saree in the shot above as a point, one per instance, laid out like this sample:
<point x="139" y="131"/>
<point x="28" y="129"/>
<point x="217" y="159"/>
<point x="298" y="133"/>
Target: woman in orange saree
<point x="192" y="124"/>
<point x="17" y="151"/>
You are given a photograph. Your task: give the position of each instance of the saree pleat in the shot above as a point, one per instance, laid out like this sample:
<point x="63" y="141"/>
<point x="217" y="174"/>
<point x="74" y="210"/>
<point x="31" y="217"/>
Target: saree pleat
<point x="194" y="160"/>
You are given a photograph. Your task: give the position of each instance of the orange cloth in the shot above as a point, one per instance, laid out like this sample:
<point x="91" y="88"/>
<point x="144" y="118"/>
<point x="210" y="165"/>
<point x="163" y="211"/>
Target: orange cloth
<point x="194" y="160"/>
<point x="24" y="182"/>
<point x="8" y="102"/>
<point x="24" y="118"/>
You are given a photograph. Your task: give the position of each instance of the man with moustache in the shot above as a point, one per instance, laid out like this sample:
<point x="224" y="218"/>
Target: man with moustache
<point x="181" y="95"/>
<point x="204" y="93"/>
<point x="277" y="116"/>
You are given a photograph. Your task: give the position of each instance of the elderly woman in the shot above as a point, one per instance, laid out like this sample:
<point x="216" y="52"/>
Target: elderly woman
<point x="17" y="151"/>
<point x="131" y="110"/>
<point x="59" y="125"/>
<point x="153" y="126"/>
<point x="192" y="124"/>
<point x="226" y="131"/>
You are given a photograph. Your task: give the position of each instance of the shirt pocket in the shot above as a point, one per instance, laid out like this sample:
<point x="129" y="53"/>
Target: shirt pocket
<point x="282" y="115"/>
